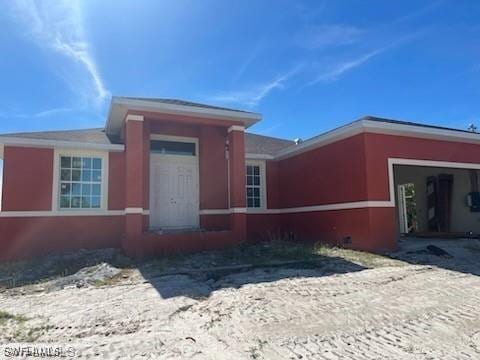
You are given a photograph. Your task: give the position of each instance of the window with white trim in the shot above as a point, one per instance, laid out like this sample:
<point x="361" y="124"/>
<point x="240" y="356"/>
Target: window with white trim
<point x="80" y="182"/>
<point x="254" y="186"/>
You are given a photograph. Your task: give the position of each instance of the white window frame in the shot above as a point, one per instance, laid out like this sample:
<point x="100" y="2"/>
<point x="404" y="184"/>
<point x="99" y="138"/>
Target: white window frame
<point x="58" y="153"/>
<point x="172" y="138"/>
<point x="263" y="185"/>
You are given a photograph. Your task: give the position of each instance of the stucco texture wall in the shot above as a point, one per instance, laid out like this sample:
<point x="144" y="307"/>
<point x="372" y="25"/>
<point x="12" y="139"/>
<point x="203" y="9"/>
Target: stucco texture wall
<point x="27" y="179"/>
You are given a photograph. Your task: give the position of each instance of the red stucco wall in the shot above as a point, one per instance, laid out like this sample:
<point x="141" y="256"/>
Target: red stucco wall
<point x="331" y="174"/>
<point x="29" y="237"/>
<point x="116" y="180"/>
<point x="350" y="170"/>
<point x="27" y="179"/>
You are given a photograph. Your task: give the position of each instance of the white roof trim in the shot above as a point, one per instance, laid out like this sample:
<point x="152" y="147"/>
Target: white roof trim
<point x="322" y="140"/>
<point x="119" y="107"/>
<point x="259" y="156"/>
<point x="377" y="127"/>
<point x="51" y="144"/>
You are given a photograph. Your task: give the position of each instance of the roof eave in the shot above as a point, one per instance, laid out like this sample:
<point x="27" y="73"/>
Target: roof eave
<point x="369" y="126"/>
<point x="55" y="144"/>
<point x="120" y="106"/>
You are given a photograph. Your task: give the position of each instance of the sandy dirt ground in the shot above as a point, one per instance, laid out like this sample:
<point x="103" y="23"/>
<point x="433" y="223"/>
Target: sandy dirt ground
<point x="423" y="307"/>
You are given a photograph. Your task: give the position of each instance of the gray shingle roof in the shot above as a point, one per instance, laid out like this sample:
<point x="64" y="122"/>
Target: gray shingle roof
<point x="93" y="136"/>
<point x="259" y="144"/>
<point x="181" y="102"/>
<point x="254" y="144"/>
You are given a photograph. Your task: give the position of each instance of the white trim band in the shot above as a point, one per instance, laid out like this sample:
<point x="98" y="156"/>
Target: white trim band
<point x="133" y="210"/>
<point x="131" y="117"/>
<point x="236" y="128"/>
<point x="223" y="211"/>
<point x="69" y="213"/>
<point x="328" y="207"/>
<point x="214" y="212"/>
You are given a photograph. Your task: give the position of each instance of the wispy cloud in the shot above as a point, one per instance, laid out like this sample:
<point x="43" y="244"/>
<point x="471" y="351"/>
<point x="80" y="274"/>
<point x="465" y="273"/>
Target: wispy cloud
<point x="251" y="97"/>
<point x="342" y="67"/>
<point x="248" y="61"/>
<point x="323" y="36"/>
<point x="336" y="70"/>
<point x="58" y="26"/>
<point x="419" y="12"/>
<point x="39" y="114"/>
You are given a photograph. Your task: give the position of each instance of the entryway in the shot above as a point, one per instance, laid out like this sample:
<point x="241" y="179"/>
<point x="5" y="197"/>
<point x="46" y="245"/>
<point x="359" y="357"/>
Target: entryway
<point x="174" y="183"/>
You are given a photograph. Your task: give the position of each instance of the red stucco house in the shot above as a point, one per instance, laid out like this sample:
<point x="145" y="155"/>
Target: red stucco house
<point x="168" y="175"/>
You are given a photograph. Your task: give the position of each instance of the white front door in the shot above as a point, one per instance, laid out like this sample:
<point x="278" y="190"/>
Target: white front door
<point x="174" y="192"/>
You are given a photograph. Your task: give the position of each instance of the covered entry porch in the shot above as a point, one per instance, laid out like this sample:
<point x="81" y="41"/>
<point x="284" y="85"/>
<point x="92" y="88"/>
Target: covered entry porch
<point x="185" y="179"/>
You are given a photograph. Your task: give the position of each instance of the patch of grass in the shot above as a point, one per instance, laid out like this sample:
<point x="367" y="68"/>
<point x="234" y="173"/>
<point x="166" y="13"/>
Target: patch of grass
<point x="30" y="335"/>
<point x="111" y="281"/>
<point x="262" y="253"/>
<point x="308" y="254"/>
<point x="180" y="310"/>
<point x="15" y="328"/>
<point x="363" y="258"/>
<point x="6" y="316"/>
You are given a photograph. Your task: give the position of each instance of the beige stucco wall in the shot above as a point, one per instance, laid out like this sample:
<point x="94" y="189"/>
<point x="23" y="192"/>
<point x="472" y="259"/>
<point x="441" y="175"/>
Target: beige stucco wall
<point x="462" y="219"/>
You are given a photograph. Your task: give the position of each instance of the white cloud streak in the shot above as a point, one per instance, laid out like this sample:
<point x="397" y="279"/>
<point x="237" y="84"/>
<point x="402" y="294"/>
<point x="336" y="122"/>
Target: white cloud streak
<point x="339" y="69"/>
<point x="58" y="26"/>
<point x="40" y="114"/>
<point x="253" y="55"/>
<point x="252" y="97"/>
<point x="323" y="36"/>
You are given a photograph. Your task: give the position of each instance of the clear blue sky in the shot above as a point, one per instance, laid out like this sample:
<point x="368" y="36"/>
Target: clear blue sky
<point x="308" y="66"/>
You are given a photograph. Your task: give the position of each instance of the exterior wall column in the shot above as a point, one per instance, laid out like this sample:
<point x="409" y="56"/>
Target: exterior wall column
<point x="238" y="217"/>
<point x="134" y="182"/>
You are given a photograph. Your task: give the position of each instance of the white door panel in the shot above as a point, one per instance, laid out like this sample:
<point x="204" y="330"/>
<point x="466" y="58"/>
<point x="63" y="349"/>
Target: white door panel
<point x="174" y="191"/>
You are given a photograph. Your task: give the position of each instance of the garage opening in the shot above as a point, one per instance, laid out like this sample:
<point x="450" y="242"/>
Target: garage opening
<point x="437" y="202"/>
